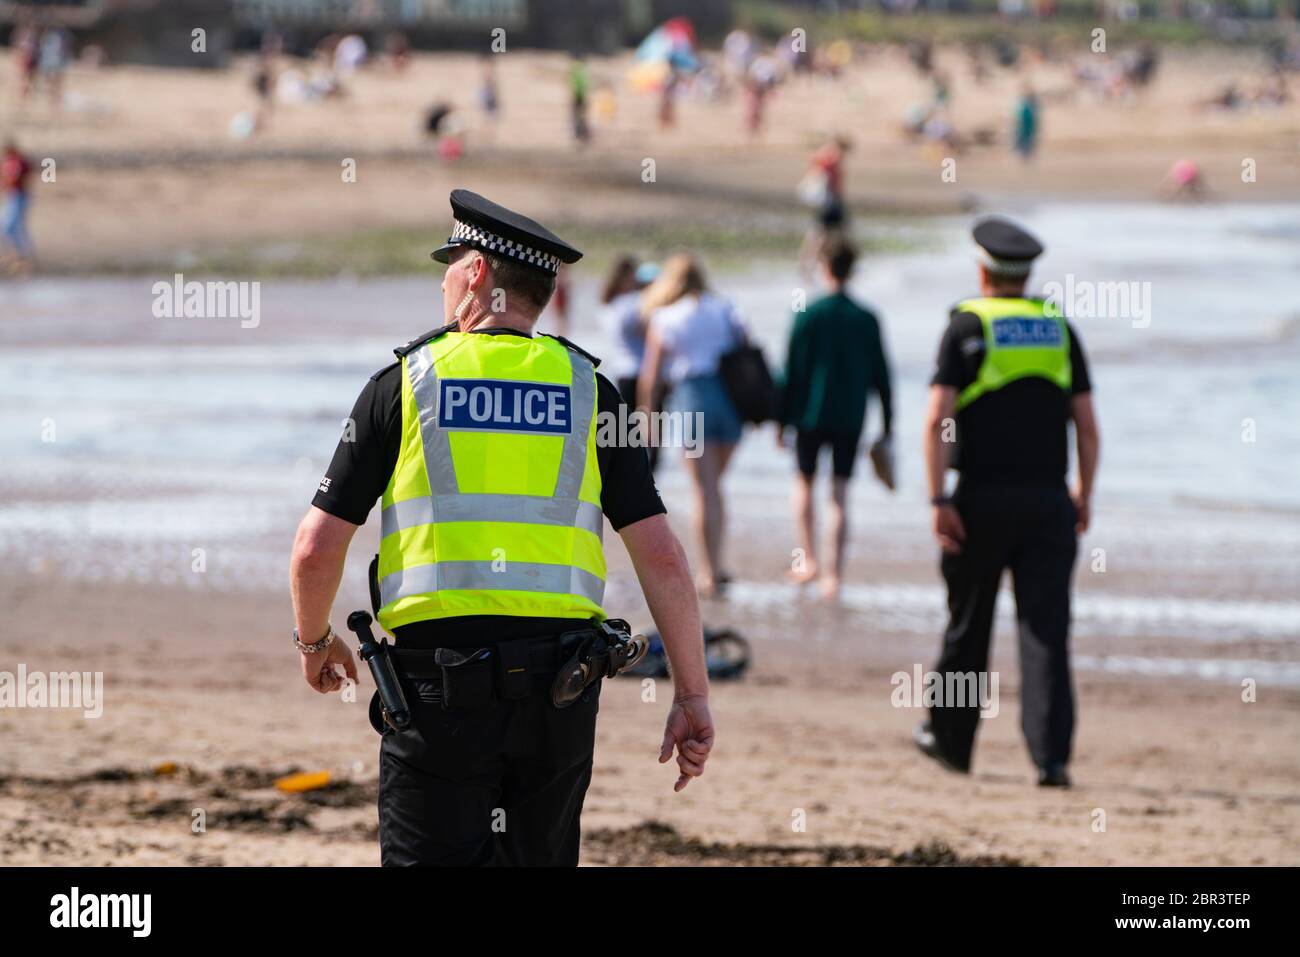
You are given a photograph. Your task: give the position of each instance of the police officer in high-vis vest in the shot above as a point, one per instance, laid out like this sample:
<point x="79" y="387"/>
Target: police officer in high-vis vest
<point x="481" y="445"/>
<point x="1011" y="377"/>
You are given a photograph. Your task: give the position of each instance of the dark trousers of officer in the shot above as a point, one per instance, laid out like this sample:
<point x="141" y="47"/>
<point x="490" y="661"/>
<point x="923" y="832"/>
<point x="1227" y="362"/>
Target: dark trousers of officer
<point x="502" y="786"/>
<point x="1031" y="532"/>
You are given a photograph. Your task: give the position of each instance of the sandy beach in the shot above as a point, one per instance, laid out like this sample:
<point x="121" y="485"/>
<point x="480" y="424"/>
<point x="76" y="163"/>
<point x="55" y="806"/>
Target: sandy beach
<point x="148" y="174"/>
<point x="174" y="436"/>
<point x="1184" y="772"/>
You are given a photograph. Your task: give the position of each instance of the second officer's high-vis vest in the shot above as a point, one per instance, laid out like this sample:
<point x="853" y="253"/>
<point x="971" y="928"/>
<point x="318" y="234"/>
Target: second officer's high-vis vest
<point x="494" y="505"/>
<point x="1022" y="337"/>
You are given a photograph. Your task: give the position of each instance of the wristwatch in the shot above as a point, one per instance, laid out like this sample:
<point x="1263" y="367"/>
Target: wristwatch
<point x="316" y="645"/>
<point x="939" y="500"/>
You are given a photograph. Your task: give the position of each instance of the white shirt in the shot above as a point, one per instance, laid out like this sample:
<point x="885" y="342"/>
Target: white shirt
<point x="621" y="321"/>
<point x="696" y="331"/>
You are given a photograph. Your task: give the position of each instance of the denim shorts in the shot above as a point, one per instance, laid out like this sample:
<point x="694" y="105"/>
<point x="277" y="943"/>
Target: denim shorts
<point x="707" y="395"/>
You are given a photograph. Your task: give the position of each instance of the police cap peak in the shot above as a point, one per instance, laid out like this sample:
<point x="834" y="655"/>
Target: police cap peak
<point x="1005" y="248"/>
<point x="487" y="226"/>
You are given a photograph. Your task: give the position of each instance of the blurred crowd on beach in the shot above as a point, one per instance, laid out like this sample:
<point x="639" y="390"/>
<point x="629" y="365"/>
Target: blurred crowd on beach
<point x="744" y="74"/>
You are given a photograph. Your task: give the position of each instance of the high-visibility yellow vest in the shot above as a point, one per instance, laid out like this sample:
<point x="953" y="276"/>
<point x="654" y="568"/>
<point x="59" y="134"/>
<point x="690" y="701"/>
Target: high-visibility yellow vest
<point x="494" y="505"/>
<point x="1022" y="337"/>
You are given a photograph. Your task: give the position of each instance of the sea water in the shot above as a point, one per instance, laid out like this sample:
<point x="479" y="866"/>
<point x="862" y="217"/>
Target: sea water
<point x="137" y="448"/>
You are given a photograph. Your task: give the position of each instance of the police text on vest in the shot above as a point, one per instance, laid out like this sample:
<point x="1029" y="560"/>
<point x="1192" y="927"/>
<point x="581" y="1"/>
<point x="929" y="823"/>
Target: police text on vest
<point x="503" y="405"/>
<point x="1026" y="331"/>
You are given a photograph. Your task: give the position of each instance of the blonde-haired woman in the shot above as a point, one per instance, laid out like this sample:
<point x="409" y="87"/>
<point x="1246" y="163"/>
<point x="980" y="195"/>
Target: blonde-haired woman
<point x="688" y="330"/>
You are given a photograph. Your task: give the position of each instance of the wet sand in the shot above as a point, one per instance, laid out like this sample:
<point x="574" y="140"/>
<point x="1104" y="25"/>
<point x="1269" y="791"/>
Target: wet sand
<point x="1184" y="771"/>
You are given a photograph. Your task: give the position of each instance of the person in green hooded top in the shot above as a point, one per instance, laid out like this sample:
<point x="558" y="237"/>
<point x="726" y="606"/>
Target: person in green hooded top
<point x="834" y="360"/>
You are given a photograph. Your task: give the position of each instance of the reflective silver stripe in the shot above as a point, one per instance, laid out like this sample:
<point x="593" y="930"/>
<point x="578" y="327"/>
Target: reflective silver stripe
<point x="481" y="576"/>
<point x="573" y="461"/>
<point x="487" y="507"/>
<point x="437" y="445"/>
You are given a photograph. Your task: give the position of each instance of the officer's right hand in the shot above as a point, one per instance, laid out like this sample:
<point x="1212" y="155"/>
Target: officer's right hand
<point x="690" y="728"/>
<point x="948" y="528"/>
<point x="319" y="669"/>
<point x="1083" y="513"/>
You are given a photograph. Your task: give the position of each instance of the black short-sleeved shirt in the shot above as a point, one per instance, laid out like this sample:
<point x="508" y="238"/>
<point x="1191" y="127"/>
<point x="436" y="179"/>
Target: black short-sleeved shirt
<point x="1017" y="435"/>
<point x="364" y="462"/>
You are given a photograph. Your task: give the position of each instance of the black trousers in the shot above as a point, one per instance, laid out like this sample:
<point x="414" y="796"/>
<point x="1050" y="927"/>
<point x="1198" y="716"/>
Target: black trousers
<point x="1031" y="532"/>
<point x="503" y="786"/>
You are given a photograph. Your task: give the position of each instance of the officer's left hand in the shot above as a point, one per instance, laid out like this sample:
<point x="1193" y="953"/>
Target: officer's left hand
<point x="319" y="669"/>
<point x="948" y="528"/>
<point x="690" y="728"/>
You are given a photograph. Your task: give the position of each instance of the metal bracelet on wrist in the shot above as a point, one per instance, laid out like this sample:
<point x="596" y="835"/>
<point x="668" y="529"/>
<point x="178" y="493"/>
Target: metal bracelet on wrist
<point x="316" y="645"/>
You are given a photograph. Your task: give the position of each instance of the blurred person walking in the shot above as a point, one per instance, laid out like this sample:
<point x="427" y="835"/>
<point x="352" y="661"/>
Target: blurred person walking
<point x="489" y="94"/>
<point x="15" y="171"/>
<point x="623" y="324"/>
<point x="579" y="87"/>
<point x="759" y="82"/>
<point x="689" y="329"/>
<point x="822" y="188"/>
<point x="668" y="99"/>
<point x="828" y="160"/>
<point x="834" y="360"/>
<point x="26" y="41"/>
<point x="1011" y="376"/>
<point x="1026" y="122"/>
<point x="264" y="73"/>
<point x="53" y="59"/>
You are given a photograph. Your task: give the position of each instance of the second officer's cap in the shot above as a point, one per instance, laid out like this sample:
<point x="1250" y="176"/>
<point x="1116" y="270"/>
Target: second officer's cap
<point x="1005" y="249"/>
<point x="491" y="228"/>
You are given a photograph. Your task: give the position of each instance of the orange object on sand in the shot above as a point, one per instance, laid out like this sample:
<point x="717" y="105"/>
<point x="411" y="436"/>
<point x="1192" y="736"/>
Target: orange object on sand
<point x="166" y="768"/>
<point x="310" y="781"/>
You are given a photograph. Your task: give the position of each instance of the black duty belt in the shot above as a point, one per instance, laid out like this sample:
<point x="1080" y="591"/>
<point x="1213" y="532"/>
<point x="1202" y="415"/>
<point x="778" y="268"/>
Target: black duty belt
<point x="474" y="679"/>
<point x="545" y="654"/>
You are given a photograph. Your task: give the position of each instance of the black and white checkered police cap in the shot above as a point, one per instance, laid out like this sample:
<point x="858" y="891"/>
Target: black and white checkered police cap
<point x="1004" y="248"/>
<point x="483" y="225"/>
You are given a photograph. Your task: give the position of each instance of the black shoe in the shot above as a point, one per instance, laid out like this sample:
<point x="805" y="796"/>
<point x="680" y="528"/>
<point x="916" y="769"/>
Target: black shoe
<point x="1053" y="776"/>
<point x="928" y="745"/>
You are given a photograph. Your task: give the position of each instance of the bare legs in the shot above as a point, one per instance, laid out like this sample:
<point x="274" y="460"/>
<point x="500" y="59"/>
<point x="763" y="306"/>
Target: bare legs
<point x="806" y="522"/>
<point x="706" y="471"/>
<point x="839" y="537"/>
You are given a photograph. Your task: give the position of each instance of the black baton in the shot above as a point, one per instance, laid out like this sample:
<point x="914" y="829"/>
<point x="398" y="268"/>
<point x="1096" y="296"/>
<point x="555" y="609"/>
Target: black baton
<point x="375" y="654"/>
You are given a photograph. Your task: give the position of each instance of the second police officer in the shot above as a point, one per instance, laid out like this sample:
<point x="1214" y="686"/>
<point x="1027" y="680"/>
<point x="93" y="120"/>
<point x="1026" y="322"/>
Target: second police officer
<point x="1011" y="377"/>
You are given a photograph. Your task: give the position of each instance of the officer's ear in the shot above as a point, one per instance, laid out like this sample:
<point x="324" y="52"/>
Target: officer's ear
<point x="478" y="271"/>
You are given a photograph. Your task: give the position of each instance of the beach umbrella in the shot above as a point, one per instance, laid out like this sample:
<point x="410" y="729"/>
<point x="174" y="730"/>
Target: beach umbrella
<point x="669" y="46"/>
